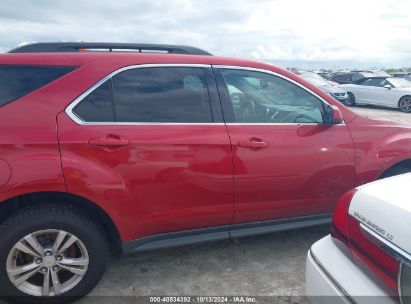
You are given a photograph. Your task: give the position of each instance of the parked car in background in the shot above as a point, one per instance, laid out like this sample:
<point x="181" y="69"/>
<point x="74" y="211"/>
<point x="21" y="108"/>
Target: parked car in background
<point x="323" y="74"/>
<point x="381" y="91"/>
<point x="317" y="76"/>
<point x="105" y="152"/>
<point x="380" y="73"/>
<point x="356" y="75"/>
<point x="336" y="92"/>
<point x="349" y="77"/>
<point x="367" y="257"/>
<point x="399" y="74"/>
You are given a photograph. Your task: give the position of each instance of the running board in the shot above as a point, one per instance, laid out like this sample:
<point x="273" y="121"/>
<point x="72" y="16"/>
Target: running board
<point x="203" y="235"/>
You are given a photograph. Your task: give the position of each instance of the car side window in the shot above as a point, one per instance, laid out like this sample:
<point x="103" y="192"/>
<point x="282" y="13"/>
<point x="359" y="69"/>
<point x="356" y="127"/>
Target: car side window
<point x="160" y="94"/>
<point x="385" y="82"/>
<point x="337" y="78"/>
<point x="364" y="82"/>
<point x="17" y="81"/>
<point x="258" y="97"/>
<point x="356" y="77"/>
<point x="98" y="106"/>
<point x="377" y="82"/>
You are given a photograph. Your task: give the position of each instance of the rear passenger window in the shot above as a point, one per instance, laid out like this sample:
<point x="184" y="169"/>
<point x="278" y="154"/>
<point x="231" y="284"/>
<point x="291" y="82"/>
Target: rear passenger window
<point x="19" y="80"/>
<point x="98" y="106"/>
<point x="164" y="94"/>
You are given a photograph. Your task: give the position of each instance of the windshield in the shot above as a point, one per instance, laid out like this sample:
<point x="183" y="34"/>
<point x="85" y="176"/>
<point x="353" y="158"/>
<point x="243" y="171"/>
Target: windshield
<point x="400" y="82"/>
<point x="319" y="82"/>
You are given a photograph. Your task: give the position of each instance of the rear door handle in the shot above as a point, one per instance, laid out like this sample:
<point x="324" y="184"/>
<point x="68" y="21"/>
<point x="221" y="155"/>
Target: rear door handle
<point x="109" y="141"/>
<point x="253" y="143"/>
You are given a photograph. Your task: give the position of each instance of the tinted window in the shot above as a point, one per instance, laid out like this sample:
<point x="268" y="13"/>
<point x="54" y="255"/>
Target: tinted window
<point x="356" y="77"/>
<point x="364" y="82"/>
<point x="19" y="80"/>
<point x="98" y="106"/>
<point x="263" y="98"/>
<point x="376" y="82"/>
<point x="163" y="94"/>
<point x="341" y="78"/>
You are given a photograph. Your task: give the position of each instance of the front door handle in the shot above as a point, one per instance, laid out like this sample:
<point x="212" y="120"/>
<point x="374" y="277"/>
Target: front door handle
<point x="110" y="141"/>
<point x="253" y="143"/>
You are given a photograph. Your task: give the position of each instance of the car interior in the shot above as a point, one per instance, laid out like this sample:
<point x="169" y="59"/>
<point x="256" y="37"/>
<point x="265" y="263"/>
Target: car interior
<point x="260" y="98"/>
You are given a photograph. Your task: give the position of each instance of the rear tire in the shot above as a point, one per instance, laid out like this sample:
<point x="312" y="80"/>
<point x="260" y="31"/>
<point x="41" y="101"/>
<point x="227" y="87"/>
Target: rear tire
<point x="351" y="100"/>
<point x="405" y="104"/>
<point x="53" y="278"/>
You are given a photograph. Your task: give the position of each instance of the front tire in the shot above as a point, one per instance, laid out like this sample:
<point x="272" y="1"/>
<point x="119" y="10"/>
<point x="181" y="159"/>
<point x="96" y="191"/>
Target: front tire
<point x="50" y="254"/>
<point x="405" y="104"/>
<point x="351" y="100"/>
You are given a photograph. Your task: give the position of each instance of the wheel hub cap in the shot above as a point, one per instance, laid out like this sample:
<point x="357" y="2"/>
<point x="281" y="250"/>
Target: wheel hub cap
<point x="49" y="261"/>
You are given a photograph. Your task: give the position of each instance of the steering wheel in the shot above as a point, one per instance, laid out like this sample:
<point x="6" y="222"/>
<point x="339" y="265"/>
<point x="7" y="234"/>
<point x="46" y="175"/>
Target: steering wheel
<point x="247" y="107"/>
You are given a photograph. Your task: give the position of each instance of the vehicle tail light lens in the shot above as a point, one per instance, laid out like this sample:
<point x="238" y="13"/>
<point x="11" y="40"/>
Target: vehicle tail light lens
<point x="404" y="283"/>
<point x="339" y="228"/>
<point x="368" y="249"/>
<point x="363" y="247"/>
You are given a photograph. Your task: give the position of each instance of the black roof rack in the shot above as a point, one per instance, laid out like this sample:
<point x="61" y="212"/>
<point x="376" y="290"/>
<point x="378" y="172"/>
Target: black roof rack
<point x="78" y="46"/>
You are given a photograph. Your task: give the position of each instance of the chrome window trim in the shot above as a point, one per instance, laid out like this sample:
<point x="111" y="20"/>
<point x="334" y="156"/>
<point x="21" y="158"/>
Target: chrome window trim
<point x="75" y="118"/>
<point x="75" y="102"/>
<point x="233" y="67"/>
<point x="280" y="124"/>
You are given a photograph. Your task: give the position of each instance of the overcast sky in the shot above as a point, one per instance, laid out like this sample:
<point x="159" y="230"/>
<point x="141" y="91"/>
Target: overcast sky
<point x="300" y="33"/>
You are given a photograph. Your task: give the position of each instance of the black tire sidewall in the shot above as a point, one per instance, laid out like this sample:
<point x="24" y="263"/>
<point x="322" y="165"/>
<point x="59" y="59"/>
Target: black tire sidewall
<point x="399" y="105"/>
<point x="73" y="223"/>
<point x="351" y="100"/>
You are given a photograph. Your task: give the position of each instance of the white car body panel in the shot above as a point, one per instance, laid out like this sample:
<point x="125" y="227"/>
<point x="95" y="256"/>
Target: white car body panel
<point x="376" y="95"/>
<point x="383" y="209"/>
<point x="333" y="277"/>
<point x="384" y="206"/>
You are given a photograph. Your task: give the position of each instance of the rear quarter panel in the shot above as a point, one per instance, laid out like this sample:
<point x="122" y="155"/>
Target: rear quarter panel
<point x="379" y="145"/>
<point x="28" y="134"/>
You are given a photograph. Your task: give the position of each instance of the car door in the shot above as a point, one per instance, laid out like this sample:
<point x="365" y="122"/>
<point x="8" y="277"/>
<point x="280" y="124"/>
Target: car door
<point x="149" y="145"/>
<point x="377" y="94"/>
<point x="360" y="89"/>
<point x="287" y="161"/>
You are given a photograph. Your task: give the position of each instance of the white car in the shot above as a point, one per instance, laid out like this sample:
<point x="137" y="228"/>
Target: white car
<point x="367" y="257"/>
<point x="382" y="91"/>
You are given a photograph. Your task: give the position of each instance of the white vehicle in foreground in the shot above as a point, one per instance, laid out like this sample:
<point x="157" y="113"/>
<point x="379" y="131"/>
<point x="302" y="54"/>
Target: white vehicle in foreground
<point x="367" y="257"/>
<point x="381" y="91"/>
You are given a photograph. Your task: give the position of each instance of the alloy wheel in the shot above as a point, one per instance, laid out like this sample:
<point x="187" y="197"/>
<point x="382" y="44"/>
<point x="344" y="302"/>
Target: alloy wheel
<point x="47" y="263"/>
<point x="405" y="104"/>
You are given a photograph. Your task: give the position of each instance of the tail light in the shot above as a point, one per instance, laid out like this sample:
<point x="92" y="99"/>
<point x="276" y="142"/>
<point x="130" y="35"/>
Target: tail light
<point x="365" y="247"/>
<point x="339" y="228"/>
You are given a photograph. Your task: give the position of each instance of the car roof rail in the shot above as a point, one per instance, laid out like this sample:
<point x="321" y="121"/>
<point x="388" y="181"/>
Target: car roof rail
<point x="52" y="47"/>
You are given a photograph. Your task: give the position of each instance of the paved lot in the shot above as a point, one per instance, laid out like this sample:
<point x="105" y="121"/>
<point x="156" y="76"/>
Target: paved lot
<point x="259" y="266"/>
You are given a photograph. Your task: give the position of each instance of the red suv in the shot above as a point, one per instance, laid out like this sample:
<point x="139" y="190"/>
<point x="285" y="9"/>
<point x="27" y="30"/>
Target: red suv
<point x="104" y="151"/>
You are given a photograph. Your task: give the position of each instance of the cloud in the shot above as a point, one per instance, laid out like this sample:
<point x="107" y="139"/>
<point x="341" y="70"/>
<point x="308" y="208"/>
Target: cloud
<point x="317" y="33"/>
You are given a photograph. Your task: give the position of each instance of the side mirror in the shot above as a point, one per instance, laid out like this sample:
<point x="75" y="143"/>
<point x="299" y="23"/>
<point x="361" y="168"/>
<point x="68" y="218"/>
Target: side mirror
<point x="335" y="115"/>
<point x="387" y="86"/>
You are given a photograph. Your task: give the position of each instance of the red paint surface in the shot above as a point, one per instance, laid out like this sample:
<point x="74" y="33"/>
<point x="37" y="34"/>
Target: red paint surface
<point x="170" y="178"/>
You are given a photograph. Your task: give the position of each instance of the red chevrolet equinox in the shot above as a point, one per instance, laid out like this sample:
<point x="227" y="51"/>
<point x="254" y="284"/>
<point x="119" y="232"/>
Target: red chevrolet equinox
<point x="119" y="148"/>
